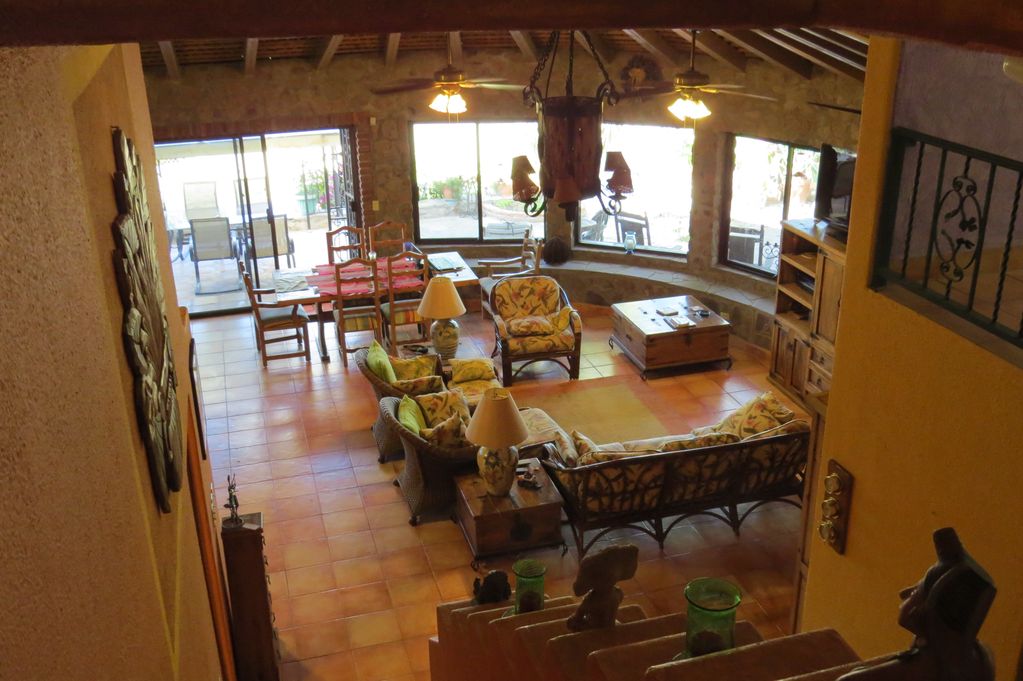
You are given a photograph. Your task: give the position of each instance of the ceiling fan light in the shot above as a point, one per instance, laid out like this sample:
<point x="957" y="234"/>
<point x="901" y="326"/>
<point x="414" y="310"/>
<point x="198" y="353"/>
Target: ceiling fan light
<point x="446" y="103"/>
<point x="686" y="107"/>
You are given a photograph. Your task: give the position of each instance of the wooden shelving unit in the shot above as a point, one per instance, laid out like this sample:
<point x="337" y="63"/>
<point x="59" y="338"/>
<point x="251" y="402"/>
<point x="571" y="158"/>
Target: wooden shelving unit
<point x="811" y="266"/>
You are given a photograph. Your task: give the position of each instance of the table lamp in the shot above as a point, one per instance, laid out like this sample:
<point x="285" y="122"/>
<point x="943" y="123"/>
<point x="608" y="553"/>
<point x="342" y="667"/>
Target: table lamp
<point x="497" y="427"/>
<point x="441" y="303"/>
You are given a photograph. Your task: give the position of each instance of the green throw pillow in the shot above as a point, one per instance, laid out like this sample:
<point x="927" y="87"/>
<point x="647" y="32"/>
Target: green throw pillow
<point x="410" y="415"/>
<point x="379" y="363"/>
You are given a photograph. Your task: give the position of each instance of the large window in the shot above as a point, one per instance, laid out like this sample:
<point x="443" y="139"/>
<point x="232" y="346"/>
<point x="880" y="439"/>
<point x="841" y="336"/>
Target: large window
<point x="770" y="182"/>
<point x="463" y="180"/>
<point x="661" y="159"/>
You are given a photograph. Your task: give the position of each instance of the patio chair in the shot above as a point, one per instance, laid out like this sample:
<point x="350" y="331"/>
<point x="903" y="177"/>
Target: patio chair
<point x="633" y="222"/>
<point x="388" y="238"/>
<point x="533" y="322"/>
<point x="211" y="240"/>
<point x="271" y="317"/>
<point x="593" y="228"/>
<point x="357" y="303"/>
<point x="264" y="240"/>
<point x="345" y="243"/>
<point x="405" y="288"/>
<point x="528" y="262"/>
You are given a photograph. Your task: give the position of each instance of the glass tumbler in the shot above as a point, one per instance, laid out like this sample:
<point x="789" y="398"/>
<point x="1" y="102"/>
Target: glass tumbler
<point x="529" y="575"/>
<point x="711" y="611"/>
<point x="630" y="242"/>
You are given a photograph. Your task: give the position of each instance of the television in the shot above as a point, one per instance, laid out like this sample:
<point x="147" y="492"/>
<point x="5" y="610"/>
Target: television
<point x="834" y="190"/>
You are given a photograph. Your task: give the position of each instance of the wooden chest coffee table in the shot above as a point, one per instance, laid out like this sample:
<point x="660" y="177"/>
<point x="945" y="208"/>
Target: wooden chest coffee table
<point x="525" y="519"/>
<point x="648" y="339"/>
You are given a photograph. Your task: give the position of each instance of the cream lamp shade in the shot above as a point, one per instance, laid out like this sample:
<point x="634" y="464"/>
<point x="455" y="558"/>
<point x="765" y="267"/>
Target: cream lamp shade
<point x="441" y="300"/>
<point x="496" y="423"/>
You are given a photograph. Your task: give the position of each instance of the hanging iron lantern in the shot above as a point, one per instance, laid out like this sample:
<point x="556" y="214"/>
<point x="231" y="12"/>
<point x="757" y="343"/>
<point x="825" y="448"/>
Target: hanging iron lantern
<point x="569" y="144"/>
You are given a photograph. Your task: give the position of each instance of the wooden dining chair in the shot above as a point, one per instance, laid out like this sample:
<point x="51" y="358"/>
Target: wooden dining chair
<point x="357" y="303"/>
<point x="388" y="238"/>
<point x="406" y="276"/>
<point x="345" y="243"/>
<point x="268" y="317"/>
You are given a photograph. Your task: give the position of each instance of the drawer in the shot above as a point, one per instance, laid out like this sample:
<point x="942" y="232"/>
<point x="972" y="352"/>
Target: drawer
<point x="687" y="347"/>
<point x="822" y="359"/>
<point x="817" y="381"/>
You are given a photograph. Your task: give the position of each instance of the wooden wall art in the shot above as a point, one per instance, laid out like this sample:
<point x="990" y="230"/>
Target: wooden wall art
<point x="146" y="340"/>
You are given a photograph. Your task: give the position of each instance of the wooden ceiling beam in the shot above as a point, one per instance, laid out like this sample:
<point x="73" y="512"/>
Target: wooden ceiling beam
<point x="656" y="46"/>
<point x="604" y="51"/>
<point x="391" y="53"/>
<point x="770" y="52"/>
<point x="836" y="38"/>
<point x="840" y="53"/>
<point x="825" y="61"/>
<point x="455" y="47"/>
<point x="715" y="46"/>
<point x="988" y="25"/>
<point x="251" y="52"/>
<point x="526" y="45"/>
<point x="170" y="59"/>
<point x="329" y="50"/>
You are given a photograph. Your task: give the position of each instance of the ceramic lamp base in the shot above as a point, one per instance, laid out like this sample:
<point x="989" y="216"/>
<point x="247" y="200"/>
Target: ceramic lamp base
<point x="444" y="336"/>
<point x="497" y="468"/>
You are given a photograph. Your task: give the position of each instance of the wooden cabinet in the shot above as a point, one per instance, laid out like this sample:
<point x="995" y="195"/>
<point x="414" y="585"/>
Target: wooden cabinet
<point x="811" y="269"/>
<point x="252" y="631"/>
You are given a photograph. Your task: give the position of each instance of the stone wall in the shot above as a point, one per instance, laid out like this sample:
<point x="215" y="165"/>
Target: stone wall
<point x="293" y="90"/>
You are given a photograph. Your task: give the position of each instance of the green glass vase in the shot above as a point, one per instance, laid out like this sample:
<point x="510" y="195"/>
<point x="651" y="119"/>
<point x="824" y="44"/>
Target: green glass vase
<point x="529" y="576"/>
<point x="711" y="612"/>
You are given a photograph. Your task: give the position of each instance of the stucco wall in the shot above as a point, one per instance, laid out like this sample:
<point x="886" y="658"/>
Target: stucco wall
<point x="294" y="88"/>
<point x="927" y="422"/>
<point x="97" y="584"/>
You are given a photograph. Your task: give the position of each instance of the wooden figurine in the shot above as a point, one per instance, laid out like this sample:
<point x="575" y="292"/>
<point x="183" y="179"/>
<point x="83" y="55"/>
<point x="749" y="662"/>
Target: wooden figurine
<point x="598" y="576"/>
<point x="944" y="611"/>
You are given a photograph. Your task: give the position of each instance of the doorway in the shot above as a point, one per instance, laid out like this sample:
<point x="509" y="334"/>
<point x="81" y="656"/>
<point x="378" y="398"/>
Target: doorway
<point x="263" y="200"/>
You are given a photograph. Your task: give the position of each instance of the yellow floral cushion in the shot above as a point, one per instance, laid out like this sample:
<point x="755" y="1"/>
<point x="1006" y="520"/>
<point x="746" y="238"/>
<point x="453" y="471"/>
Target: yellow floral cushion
<point x="761" y="413"/>
<point x="793" y="426"/>
<point x="473" y="390"/>
<point x="439" y="406"/>
<point x="522" y="296"/>
<point x="691" y="441"/>
<point x="530" y="325"/>
<point x="419" y="386"/>
<point x="477" y="369"/>
<point x="563" y="318"/>
<point x="524" y="345"/>
<point x="416" y="367"/>
<point x="449" y="432"/>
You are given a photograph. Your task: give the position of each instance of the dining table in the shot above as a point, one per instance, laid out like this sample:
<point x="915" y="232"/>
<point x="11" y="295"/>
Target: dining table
<point x="317" y="287"/>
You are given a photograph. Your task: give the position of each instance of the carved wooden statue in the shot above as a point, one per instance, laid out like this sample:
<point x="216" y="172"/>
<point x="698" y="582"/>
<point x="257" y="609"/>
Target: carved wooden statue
<point x="944" y="612"/>
<point x="598" y="575"/>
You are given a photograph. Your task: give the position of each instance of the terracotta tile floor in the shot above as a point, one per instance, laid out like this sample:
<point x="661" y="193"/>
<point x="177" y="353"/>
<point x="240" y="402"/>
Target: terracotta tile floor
<point x="354" y="586"/>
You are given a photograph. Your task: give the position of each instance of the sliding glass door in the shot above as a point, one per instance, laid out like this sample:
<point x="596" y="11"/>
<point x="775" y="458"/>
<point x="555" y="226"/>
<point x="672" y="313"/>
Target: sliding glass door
<point x="263" y="200"/>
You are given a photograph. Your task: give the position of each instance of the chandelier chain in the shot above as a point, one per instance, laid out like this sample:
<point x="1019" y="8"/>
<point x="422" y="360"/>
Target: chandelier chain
<point x="608" y="86"/>
<point x="530" y="92"/>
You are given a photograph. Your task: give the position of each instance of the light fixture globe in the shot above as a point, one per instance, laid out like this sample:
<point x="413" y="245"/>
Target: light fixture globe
<point x="686" y="107"/>
<point x="449" y="103"/>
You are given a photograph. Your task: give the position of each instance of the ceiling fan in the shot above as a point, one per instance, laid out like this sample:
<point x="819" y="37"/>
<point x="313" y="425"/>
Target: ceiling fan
<point x="450" y="80"/>
<point x="687" y="87"/>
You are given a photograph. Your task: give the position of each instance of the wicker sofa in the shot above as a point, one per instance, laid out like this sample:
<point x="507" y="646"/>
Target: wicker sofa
<point x="654" y="492"/>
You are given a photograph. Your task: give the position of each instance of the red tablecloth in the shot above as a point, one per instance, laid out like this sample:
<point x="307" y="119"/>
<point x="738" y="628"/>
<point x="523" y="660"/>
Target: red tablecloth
<point x="323" y="279"/>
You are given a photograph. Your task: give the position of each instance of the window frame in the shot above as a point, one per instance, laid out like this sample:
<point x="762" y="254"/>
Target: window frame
<point x="478" y="240"/>
<point x="725" y="221"/>
<point x="645" y="248"/>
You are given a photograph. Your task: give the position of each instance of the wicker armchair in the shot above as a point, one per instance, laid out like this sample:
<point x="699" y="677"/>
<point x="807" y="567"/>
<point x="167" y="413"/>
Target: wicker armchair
<point x="387" y="440"/>
<point x="428" y="479"/>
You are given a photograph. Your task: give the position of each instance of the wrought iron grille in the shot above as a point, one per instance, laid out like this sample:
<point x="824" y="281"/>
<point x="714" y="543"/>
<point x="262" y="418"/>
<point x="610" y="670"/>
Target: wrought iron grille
<point x="949" y="232"/>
